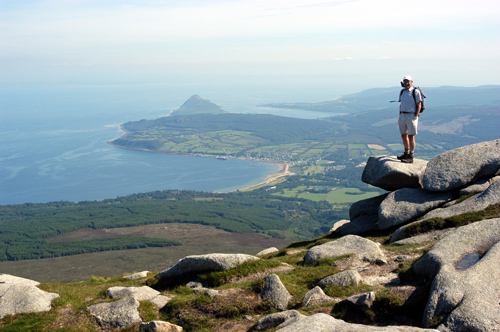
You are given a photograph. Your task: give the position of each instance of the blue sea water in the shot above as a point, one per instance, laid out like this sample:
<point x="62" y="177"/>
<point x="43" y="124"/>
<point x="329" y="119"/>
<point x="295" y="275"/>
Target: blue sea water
<point x="53" y="143"/>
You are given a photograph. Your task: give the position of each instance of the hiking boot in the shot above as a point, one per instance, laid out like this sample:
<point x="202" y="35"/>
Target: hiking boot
<point x="408" y="160"/>
<point x="403" y="156"/>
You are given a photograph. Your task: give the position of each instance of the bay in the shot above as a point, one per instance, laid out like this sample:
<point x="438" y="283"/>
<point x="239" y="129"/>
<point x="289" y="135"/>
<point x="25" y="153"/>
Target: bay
<point x="53" y="142"/>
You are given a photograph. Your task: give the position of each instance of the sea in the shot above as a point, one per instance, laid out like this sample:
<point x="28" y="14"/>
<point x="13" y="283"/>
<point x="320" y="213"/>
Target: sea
<point x="53" y="140"/>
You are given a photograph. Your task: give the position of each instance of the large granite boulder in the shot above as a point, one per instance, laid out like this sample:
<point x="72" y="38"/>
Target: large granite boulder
<point x="342" y="279"/>
<point x="478" y="186"/>
<point x="325" y="323"/>
<point x="116" y="315"/>
<point x="407" y="204"/>
<point x="315" y="296"/>
<point x="139" y="293"/>
<point x="275" y="291"/>
<point x="205" y="263"/>
<point x="20" y="295"/>
<point x="456" y="168"/>
<point x="466" y="295"/>
<point x="391" y="174"/>
<point x="346" y="245"/>
<point x="279" y="319"/>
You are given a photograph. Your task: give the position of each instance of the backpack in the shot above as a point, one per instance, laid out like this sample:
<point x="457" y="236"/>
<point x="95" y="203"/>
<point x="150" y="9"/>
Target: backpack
<point x="421" y="93"/>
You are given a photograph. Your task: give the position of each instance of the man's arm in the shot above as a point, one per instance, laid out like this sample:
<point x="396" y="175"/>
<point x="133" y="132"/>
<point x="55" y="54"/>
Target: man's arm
<point x="419" y="108"/>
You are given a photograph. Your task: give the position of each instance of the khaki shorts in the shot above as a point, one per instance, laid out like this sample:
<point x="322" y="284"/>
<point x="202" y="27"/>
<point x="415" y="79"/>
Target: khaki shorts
<point x="408" y="124"/>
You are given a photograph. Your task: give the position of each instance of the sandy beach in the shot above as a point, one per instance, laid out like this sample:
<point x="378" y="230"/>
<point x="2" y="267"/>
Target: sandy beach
<point x="284" y="171"/>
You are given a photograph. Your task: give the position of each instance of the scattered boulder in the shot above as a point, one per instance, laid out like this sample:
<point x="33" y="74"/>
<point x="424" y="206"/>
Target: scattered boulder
<point x="212" y="293"/>
<point x="342" y="279"/>
<point x="159" y="326"/>
<point x="20" y="295"/>
<point x="137" y="275"/>
<point x="390" y="174"/>
<point x="364" y="300"/>
<point x="407" y="204"/>
<point x="275" y="291"/>
<point x="326" y="323"/>
<point x="456" y="168"/>
<point x="280" y="319"/>
<point x="316" y="296"/>
<point x="466" y="296"/>
<point x="143" y="293"/>
<point x="119" y="314"/>
<point x="160" y="300"/>
<point x="346" y="245"/>
<point x="205" y="263"/>
<point x="267" y="251"/>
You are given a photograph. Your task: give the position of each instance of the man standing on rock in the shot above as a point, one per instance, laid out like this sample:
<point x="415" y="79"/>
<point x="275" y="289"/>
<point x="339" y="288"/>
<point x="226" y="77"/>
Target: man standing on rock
<point x="409" y="110"/>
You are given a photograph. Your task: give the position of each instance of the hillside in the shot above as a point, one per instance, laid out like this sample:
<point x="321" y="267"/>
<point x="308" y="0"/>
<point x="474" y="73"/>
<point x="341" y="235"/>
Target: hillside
<point x="419" y="258"/>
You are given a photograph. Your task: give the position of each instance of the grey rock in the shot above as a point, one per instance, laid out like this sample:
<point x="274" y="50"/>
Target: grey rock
<point x="391" y="174"/>
<point x="475" y="203"/>
<point x="315" y="296"/>
<point x="160" y="300"/>
<point x="346" y="245"/>
<point x="478" y="187"/>
<point x="280" y="319"/>
<point x="142" y="293"/>
<point x="467" y="298"/>
<point x="360" y="225"/>
<point x="267" y="251"/>
<point x="194" y="285"/>
<point x="275" y="291"/>
<point x="119" y="314"/>
<point x="212" y="293"/>
<point x="405" y="205"/>
<point x="137" y="275"/>
<point x="343" y="279"/>
<point x="457" y="168"/>
<point x="20" y="295"/>
<point x="364" y="300"/>
<point x="325" y="323"/>
<point x="205" y="263"/>
<point x="159" y="326"/>
<point x="339" y="224"/>
<point x="366" y="207"/>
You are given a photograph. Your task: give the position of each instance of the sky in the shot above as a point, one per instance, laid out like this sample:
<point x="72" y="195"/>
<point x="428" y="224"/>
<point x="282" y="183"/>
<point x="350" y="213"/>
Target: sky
<point x="345" y="44"/>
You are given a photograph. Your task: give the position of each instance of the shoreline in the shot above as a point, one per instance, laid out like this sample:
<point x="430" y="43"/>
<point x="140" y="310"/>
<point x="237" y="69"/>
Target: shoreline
<point x="283" y="171"/>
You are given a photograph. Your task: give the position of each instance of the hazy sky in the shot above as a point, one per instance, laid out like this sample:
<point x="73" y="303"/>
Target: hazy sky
<point x="365" y="43"/>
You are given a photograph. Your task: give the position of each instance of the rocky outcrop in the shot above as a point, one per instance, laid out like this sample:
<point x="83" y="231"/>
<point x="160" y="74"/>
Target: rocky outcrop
<point x="275" y="291"/>
<point x="390" y="174"/>
<point x="347" y="245"/>
<point x="119" y="314"/>
<point x="457" y="168"/>
<point x="407" y="204"/>
<point x="20" y="295"/>
<point x="326" y="323"/>
<point x="466" y="296"/>
<point x="205" y="263"/>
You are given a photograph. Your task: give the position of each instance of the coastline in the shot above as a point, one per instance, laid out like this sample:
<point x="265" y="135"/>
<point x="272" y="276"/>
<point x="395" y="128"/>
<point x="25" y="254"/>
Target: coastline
<point x="283" y="171"/>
